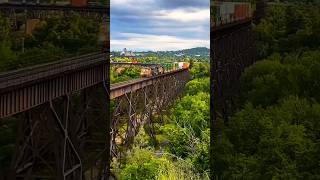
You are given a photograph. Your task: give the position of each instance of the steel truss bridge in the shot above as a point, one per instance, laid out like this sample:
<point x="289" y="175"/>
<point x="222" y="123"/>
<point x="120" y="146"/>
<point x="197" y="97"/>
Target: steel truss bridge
<point x="137" y="101"/>
<point x="232" y="50"/>
<point x="65" y="130"/>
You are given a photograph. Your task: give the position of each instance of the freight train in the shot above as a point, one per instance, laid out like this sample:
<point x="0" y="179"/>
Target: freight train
<point x="163" y="68"/>
<point x="154" y="69"/>
<point x="225" y="12"/>
<point x="72" y="3"/>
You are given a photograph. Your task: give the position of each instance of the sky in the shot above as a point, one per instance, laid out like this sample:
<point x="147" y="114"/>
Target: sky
<point x="159" y="25"/>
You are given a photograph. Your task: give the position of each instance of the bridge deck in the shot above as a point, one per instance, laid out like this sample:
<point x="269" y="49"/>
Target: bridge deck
<point x="122" y="88"/>
<point x="11" y="79"/>
<point x="26" y="88"/>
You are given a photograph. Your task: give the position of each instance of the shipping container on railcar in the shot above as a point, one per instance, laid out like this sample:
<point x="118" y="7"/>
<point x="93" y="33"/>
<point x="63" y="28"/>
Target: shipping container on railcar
<point x="167" y="66"/>
<point x="224" y="12"/>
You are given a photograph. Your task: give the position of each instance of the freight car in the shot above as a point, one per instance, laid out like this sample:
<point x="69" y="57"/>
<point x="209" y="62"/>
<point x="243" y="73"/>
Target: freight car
<point x="151" y="71"/>
<point x="223" y="12"/>
<point x="72" y="3"/>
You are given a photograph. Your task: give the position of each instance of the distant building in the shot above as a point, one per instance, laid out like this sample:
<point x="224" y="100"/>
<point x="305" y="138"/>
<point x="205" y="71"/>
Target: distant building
<point x="125" y="52"/>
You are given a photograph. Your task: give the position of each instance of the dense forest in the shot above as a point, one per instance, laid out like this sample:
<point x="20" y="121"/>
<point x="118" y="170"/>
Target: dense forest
<point x="181" y="150"/>
<point x="55" y="38"/>
<point x="275" y="131"/>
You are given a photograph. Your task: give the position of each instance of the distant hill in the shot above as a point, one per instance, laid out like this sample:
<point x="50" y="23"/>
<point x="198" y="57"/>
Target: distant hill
<point x="194" y="52"/>
<point x="202" y="51"/>
<point x="198" y="51"/>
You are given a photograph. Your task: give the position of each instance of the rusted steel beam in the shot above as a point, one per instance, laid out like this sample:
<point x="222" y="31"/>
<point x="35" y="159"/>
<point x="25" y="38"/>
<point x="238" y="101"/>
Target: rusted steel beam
<point x="24" y="89"/>
<point x="123" y="88"/>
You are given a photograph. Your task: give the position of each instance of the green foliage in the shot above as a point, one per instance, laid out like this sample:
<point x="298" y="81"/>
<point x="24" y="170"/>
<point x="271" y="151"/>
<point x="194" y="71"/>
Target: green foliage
<point x="145" y="164"/>
<point x="70" y="34"/>
<point x="142" y="164"/>
<point x="268" y="81"/>
<point x="56" y="38"/>
<point x="7" y="56"/>
<point x="178" y="138"/>
<point x="198" y="85"/>
<point x="4" y="29"/>
<point x="126" y="74"/>
<point x="193" y="112"/>
<point x="200" y="70"/>
<point x="288" y="29"/>
<point x="275" y="134"/>
<point x="200" y="156"/>
<point x="279" y="142"/>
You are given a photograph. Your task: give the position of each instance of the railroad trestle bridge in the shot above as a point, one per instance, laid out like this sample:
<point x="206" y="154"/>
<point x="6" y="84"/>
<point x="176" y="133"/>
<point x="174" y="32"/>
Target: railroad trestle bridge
<point x="233" y="48"/>
<point x="62" y="110"/>
<point x="136" y="102"/>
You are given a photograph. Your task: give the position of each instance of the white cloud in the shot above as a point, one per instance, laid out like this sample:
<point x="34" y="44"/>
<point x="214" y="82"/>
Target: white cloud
<point x="184" y="15"/>
<point x="159" y="24"/>
<point x="156" y="42"/>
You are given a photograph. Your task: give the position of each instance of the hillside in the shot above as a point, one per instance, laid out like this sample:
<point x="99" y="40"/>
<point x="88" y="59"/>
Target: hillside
<point x="193" y="52"/>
